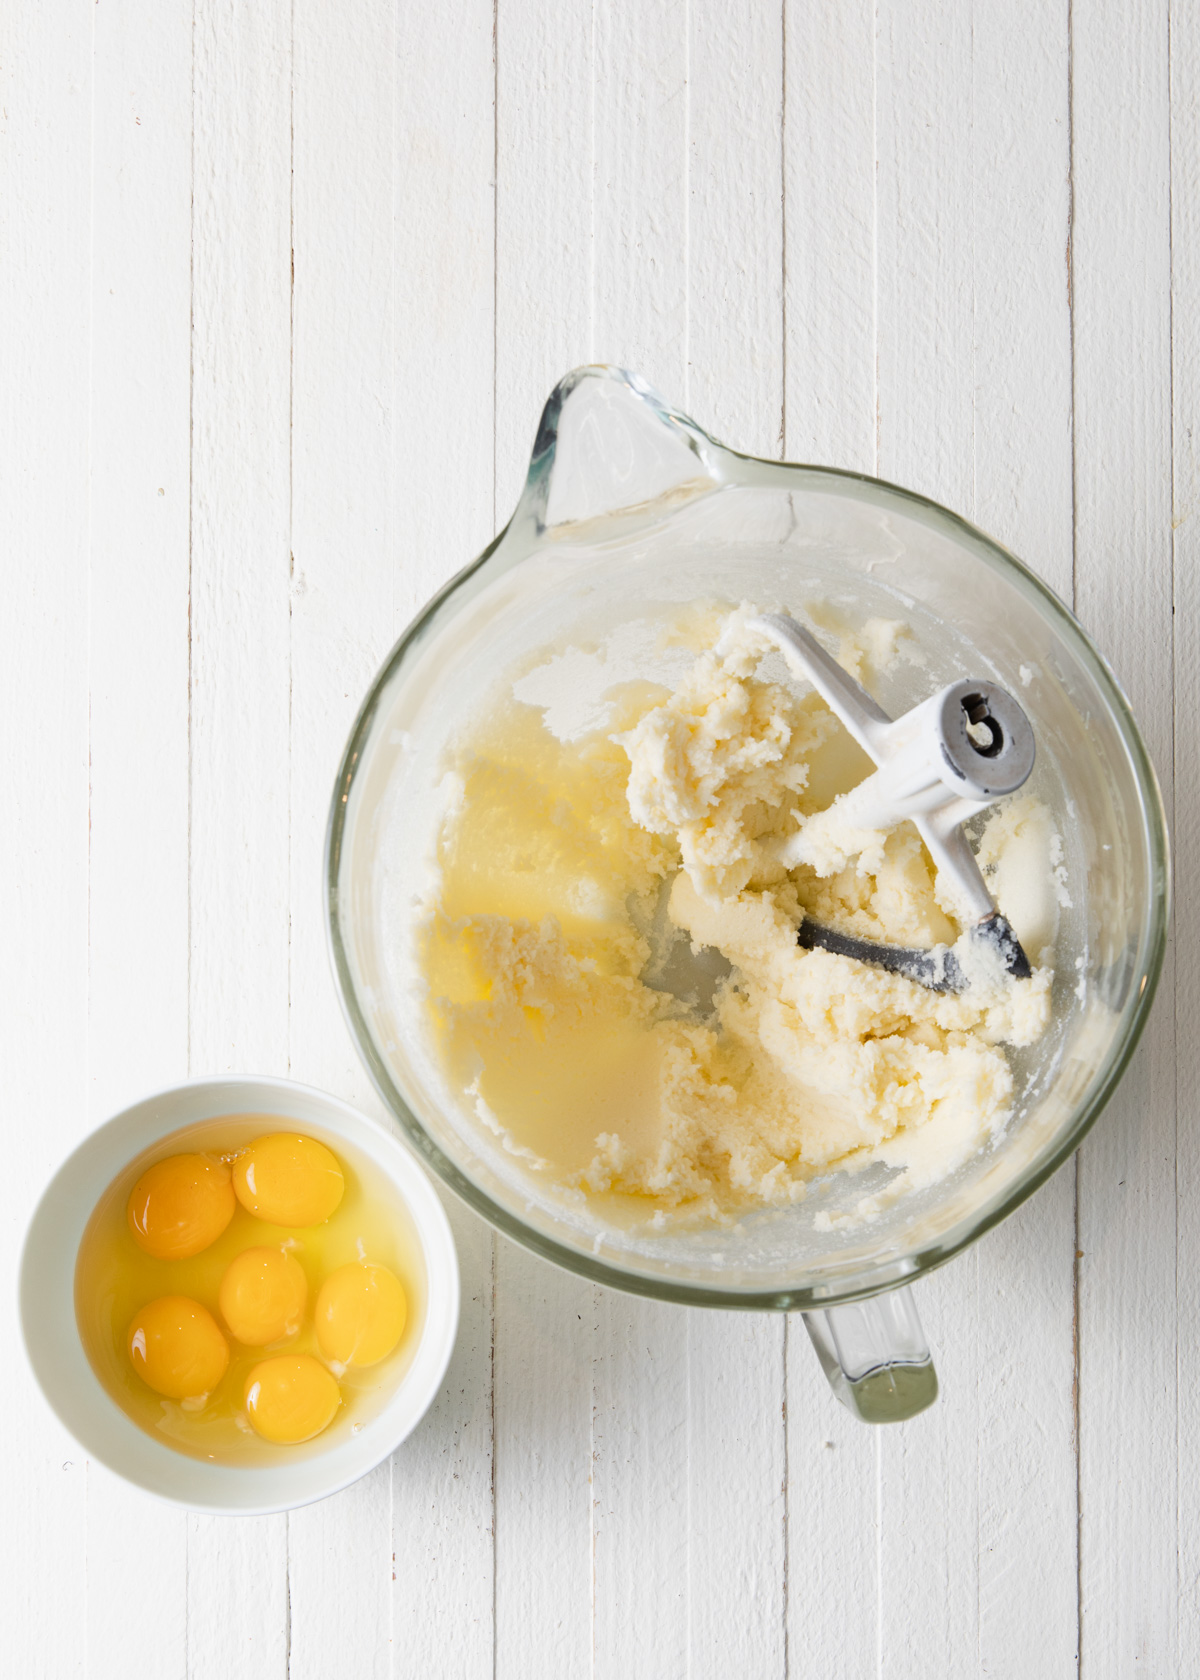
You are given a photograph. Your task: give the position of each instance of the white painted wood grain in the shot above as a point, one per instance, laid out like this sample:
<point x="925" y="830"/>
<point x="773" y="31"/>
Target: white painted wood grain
<point x="736" y="1514"/>
<point x="45" y="296"/>
<point x="238" y="1613"/>
<point x="1021" y="297"/>
<point x="735" y="226"/>
<point x="444" y="255"/>
<point x="1121" y="267"/>
<point x="241" y="513"/>
<point x="546" y="194"/>
<point x="924" y="216"/>
<point x="545" y="1334"/>
<point x="829" y="229"/>
<point x="342" y="593"/>
<point x="340" y="1583"/>
<point x="138" y="699"/>
<point x="641" y="202"/>
<point x="640" y="1482"/>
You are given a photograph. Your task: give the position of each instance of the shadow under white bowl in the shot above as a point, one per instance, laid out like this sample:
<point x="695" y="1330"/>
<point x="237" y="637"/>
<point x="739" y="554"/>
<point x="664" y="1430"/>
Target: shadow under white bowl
<point x="66" y="1378"/>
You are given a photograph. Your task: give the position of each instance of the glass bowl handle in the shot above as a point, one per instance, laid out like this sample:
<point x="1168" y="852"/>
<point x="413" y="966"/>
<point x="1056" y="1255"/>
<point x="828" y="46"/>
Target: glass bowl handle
<point x="876" y="1356"/>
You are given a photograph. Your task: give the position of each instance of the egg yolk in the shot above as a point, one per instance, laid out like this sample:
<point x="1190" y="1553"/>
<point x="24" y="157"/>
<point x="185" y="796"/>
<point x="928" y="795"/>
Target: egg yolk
<point x="262" y="1296"/>
<point x="361" y="1313"/>
<point x="176" y="1346"/>
<point x="181" y="1205"/>
<point x="288" y="1180"/>
<point x="291" y="1398"/>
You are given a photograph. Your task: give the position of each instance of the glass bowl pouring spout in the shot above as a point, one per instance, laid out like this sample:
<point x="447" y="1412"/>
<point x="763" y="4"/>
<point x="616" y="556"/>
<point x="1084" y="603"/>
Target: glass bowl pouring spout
<point x="609" y="447"/>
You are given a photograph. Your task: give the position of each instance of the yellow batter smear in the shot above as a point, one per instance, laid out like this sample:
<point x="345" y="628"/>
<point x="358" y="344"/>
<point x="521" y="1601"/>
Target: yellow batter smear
<point x="541" y="946"/>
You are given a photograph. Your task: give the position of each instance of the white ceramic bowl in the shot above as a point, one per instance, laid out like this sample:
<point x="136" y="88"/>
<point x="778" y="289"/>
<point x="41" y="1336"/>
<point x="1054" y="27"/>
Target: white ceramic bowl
<point x="52" y="1342"/>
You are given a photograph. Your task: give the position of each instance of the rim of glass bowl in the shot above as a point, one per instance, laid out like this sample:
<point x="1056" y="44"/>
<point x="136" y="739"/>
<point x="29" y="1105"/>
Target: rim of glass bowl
<point x="727" y="467"/>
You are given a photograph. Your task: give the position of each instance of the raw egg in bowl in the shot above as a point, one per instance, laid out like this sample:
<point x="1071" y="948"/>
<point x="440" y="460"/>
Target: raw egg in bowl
<point x="240" y="1294"/>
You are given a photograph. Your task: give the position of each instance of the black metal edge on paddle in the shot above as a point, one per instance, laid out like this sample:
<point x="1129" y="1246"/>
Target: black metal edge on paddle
<point x="938" y="970"/>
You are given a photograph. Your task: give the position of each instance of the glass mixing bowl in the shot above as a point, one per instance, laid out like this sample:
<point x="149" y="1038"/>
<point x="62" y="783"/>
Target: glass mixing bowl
<point x="629" y="511"/>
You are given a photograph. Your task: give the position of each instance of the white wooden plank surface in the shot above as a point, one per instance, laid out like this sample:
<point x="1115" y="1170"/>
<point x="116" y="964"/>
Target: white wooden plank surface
<point x="828" y="192"/>
<point x="45" y="436"/>
<point x="1121" y="271"/>
<point x="310" y="274"/>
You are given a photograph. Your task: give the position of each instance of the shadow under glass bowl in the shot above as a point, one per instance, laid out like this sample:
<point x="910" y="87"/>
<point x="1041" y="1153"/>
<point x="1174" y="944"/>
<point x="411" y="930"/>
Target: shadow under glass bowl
<point x="630" y="511"/>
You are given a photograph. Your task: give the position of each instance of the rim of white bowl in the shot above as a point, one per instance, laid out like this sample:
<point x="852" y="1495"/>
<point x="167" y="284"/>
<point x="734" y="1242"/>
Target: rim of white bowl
<point x="74" y="1393"/>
